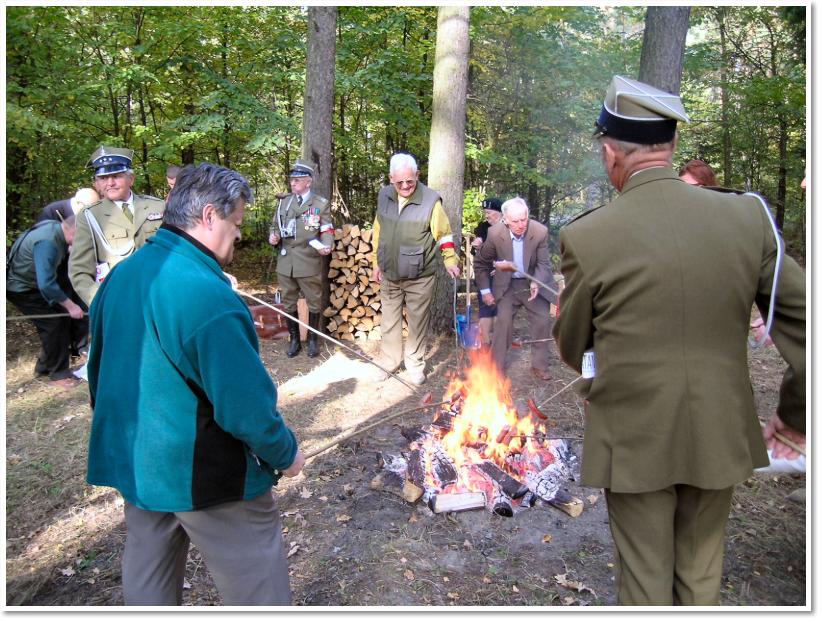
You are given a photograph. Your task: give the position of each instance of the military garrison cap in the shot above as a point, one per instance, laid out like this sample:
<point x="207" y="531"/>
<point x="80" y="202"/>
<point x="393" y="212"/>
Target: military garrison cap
<point x="301" y="169"/>
<point x="110" y="160"/>
<point x="492" y="204"/>
<point x="639" y="113"/>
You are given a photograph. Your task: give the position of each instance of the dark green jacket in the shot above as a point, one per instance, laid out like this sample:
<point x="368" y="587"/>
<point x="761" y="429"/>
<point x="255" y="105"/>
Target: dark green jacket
<point x="34" y="259"/>
<point x="660" y="283"/>
<point x="185" y="413"/>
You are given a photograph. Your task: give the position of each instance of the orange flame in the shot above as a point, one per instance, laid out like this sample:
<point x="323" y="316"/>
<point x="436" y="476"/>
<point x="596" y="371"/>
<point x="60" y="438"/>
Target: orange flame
<point x="487" y="414"/>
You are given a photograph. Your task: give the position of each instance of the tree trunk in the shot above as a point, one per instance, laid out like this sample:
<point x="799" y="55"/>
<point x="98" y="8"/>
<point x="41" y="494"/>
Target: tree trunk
<point x="318" y="109"/>
<point x="727" y="171"/>
<point x="446" y="159"/>
<point x="319" y="94"/>
<point x="663" y="47"/>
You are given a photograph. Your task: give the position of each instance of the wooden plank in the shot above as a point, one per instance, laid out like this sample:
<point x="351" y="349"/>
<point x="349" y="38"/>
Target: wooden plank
<point x="572" y="506"/>
<point x="456" y="502"/>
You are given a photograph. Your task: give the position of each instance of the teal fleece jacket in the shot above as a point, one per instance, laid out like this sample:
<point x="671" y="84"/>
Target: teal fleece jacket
<point x="184" y="412"/>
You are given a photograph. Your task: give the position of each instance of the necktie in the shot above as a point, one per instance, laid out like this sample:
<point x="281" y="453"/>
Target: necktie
<point x="127" y="212"/>
<point x="299" y="199"/>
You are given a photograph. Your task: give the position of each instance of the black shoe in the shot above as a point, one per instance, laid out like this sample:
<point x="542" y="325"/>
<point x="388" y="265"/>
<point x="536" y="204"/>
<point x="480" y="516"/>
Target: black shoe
<point x="294" y="346"/>
<point x="313" y="322"/>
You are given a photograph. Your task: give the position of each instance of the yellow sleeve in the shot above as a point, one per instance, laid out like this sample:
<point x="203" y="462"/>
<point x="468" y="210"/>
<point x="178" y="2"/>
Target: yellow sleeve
<point x="375" y="240"/>
<point x="441" y="230"/>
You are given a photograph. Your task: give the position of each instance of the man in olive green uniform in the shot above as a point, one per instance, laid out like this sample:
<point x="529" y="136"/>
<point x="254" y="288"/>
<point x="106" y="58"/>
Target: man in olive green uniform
<point x="659" y="284"/>
<point x="303" y="228"/>
<point x="113" y="228"/>
<point x="410" y="230"/>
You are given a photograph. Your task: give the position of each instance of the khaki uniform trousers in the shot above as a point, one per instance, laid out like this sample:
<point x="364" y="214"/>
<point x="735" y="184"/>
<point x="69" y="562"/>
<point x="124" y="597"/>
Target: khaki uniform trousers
<point x="539" y="321"/>
<point x="311" y="287"/>
<point x="417" y="295"/>
<point x="670" y="544"/>
<point x="241" y="543"/>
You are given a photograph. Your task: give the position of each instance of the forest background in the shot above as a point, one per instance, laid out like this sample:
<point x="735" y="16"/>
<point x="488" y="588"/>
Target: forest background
<point x="226" y="85"/>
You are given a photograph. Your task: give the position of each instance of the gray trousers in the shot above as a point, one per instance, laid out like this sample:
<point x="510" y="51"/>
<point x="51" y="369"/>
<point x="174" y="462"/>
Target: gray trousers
<point x="241" y="543"/>
<point x="669" y="544"/>
<point x="417" y="295"/>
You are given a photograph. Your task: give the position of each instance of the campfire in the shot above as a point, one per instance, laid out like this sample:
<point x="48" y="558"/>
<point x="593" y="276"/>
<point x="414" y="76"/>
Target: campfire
<point x="481" y="451"/>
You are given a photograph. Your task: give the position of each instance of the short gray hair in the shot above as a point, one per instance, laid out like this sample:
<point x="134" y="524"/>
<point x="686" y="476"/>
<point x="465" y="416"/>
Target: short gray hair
<point x="402" y="161"/>
<point x="197" y="187"/>
<point x="515" y="202"/>
<point x="628" y="148"/>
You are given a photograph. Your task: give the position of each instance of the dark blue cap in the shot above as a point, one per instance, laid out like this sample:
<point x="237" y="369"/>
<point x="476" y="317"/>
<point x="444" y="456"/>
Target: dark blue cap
<point x="110" y="160"/>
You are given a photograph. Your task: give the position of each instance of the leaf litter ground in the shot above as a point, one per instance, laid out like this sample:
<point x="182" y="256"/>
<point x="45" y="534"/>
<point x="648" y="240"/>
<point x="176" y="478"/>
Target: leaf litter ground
<point x="352" y="545"/>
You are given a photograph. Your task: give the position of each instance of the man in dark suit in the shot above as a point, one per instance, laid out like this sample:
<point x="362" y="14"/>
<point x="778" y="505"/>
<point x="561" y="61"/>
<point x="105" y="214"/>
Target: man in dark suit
<point x="524" y="242"/>
<point x="659" y="285"/>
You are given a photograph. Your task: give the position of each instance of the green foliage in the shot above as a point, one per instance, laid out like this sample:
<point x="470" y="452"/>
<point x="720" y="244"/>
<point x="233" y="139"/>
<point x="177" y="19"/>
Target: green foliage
<point x="225" y="84"/>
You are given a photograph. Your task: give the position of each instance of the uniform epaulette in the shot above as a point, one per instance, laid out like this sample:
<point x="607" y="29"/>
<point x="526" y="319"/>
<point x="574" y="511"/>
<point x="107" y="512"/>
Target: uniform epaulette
<point x="147" y="196"/>
<point x="725" y="190"/>
<point x="583" y="214"/>
<point x="322" y="200"/>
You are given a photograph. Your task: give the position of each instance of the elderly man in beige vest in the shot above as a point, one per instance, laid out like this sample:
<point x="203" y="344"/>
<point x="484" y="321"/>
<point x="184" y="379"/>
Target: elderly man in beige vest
<point x="113" y="228"/>
<point x="410" y="230"/>
<point x="659" y="285"/>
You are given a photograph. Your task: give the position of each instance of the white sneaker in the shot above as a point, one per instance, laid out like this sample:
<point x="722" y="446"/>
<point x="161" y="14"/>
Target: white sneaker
<point x="415" y="377"/>
<point x="81" y="373"/>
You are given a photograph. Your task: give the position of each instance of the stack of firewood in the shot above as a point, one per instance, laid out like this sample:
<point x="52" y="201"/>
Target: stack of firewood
<point x="354" y="302"/>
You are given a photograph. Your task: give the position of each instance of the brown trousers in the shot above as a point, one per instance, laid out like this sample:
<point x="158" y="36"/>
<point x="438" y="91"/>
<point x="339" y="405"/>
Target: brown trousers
<point x="539" y="319"/>
<point x="669" y="544"/>
<point x="417" y="295"/>
<point x="311" y="287"/>
<point x="241" y="543"/>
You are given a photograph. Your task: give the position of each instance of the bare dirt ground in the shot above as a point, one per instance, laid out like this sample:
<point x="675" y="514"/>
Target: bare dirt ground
<point x="351" y="545"/>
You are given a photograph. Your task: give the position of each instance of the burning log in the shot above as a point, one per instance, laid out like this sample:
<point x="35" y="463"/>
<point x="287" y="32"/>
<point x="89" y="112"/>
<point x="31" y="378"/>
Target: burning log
<point x="502" y="505"/>
<point x="507" y="484"/>
<point x="443" y="467"/>
<point x="547" y="482"/>
<point x="570" y="505"/>
<point x="414" y="486"/>
<point x="414" y="434"/>
<point x="456" y="502"/>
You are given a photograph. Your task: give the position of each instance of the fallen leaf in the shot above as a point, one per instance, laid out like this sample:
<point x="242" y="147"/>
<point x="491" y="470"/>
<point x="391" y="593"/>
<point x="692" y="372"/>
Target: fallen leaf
<point x="515" y="590"/>
<point x="547" y="538"/>
<point x="569" y="600"/>
<point x="408" y="575"/>
<point x="486" y="580"/>
<point x="445" y="579"/>
<point x="96" y="571"/>
<point x="592" y="499"/>
<point x="413" y="518"/>
<point x="453" y="595"/>
<point x="293" y="550"/>
<point x="91" y="581"/>
<point x="68" y="572"/>
<point x="285" y="530"/>
<point x="305" y="493"/>
<point x="186" y="585"/>
<point x="572" y="585"/>
<point x="13" y="459"/>
<point x="467" y="544"/>
<point x="343" y="518"/>
<point x="348" y="489"/>
<point x="403" y="560"/>
<point x="323" y="498"/>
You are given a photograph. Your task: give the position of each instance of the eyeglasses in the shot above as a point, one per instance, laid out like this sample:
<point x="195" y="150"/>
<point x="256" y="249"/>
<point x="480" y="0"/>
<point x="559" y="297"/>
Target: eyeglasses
<point x="405" y="182"/>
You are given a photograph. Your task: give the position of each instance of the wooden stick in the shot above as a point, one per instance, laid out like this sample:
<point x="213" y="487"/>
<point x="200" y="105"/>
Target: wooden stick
<point x="331" y="444"/>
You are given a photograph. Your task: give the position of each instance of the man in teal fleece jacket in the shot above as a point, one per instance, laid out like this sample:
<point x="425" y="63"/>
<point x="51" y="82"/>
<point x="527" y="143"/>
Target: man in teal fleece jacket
<point x="185" y="421"/>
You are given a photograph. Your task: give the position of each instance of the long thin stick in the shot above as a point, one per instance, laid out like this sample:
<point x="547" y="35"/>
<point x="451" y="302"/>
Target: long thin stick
<point x="578" y="378"/>
<point x="16" y="318"/>
<point x="314" y="452"/>
<point x="329" y="338"/>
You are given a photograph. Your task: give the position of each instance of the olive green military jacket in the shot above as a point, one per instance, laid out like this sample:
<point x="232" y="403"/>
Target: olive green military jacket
<point x="660" y="283"/>
<point x="105" y="237"/>
<point x="312" y="221"/>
